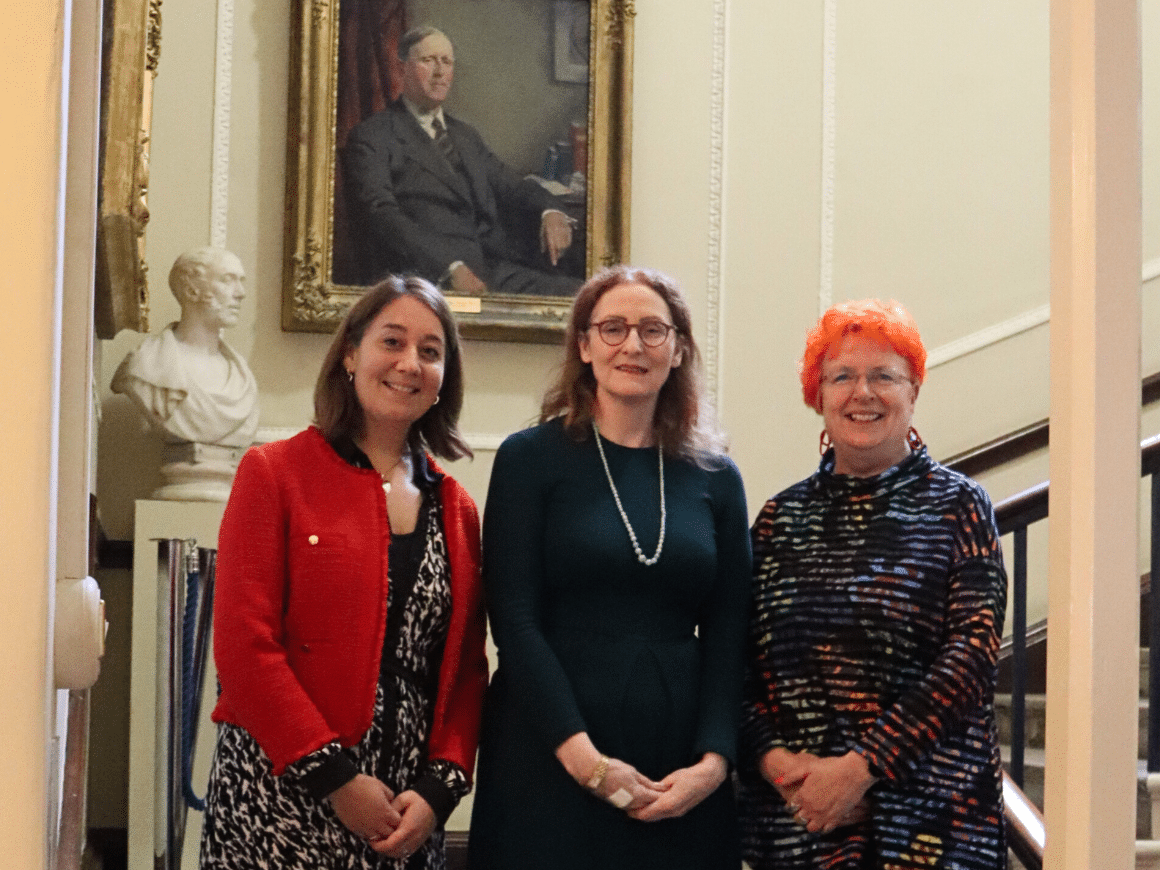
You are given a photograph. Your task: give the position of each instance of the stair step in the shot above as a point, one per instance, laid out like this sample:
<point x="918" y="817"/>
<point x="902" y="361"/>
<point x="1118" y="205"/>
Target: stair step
<point x="1147" y="855"/>
<point x="1034" y="762"/>
<point x="1035" y="722"/>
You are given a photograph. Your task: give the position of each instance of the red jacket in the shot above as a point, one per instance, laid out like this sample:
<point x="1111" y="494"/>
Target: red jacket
<point x="300" y="605"/>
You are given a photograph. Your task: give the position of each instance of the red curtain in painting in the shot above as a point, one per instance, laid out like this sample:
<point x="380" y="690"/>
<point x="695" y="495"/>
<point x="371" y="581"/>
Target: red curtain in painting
<point x="369" y="77"/>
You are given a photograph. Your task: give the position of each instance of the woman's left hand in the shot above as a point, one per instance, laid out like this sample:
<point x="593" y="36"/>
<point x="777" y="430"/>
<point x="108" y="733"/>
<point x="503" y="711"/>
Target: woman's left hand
<point x="685" y="788"/>
<point x="829" y="795"/>
<point x="418" y="821"/>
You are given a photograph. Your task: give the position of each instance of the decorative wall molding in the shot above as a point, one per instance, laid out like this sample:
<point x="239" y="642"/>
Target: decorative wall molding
<point x="480" y="442"/>
<point x="1011" y="327"/>
<point x="989" y="335"/>
<point x="485" y="441"/>
<point x="714" y="301"/>
<point x="829" y="136"/>
<point x="1151" y="270"/>
<point x="266" y="434"/>
<point x="223" y="91"/>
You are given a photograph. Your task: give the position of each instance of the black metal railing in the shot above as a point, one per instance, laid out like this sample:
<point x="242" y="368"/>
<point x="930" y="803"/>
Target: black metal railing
<point x="1150" y="467"/>
<point x="1014" y="516"/>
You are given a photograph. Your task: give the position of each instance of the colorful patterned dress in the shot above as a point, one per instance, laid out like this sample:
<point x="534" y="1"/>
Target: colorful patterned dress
<point x="878" y="607"/>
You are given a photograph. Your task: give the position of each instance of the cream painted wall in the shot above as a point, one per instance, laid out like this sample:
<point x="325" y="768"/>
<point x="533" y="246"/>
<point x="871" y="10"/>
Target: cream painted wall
<point x="30" y="68"/>
<point x="939" y="197"/>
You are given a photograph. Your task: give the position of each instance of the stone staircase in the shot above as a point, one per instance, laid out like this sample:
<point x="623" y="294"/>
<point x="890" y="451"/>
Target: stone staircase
<point x="1148" y="852"/>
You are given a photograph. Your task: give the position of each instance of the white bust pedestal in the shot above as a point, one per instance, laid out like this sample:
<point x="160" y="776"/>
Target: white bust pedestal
<point x="159" y="520"/>
<point x="197" y="472"/>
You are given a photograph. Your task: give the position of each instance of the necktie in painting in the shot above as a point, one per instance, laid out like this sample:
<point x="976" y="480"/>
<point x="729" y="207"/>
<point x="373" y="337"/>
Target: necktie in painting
<point x="444" y="143"/>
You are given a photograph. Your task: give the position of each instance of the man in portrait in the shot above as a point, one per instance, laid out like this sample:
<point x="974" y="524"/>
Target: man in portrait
<point x="429" y="197"/>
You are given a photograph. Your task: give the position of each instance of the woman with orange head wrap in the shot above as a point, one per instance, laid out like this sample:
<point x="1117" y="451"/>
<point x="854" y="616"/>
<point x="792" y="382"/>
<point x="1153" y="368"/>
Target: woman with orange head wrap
<point x="868" y="736"/>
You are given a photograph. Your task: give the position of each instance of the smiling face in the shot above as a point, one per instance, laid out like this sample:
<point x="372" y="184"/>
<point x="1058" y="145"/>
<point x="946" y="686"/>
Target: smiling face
<point x="398" y="364"/>
<point x="631" y="372"/>
<point x="428" y="71"/>
<point x="867" y="401"/>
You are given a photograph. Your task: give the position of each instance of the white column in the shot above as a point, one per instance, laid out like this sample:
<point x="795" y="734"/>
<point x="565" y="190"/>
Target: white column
<point x="30" y="67"/>
<point x="1094" y="465"/>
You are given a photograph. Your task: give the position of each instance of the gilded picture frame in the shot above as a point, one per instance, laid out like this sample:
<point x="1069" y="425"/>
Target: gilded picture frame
<point x="312" y="301"/>
<point x="129" y="58"/>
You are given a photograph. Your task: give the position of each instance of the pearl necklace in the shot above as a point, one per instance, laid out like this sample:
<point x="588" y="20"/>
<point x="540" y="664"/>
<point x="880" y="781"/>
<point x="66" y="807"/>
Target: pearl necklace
<point x="640" y="556"/>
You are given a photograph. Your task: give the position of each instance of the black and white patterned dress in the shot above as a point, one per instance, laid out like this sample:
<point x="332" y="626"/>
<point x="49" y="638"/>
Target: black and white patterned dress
<point x="257" y="821"/>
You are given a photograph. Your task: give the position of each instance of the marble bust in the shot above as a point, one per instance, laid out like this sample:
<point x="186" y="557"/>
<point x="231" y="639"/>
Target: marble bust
<point x="192" y="387"/>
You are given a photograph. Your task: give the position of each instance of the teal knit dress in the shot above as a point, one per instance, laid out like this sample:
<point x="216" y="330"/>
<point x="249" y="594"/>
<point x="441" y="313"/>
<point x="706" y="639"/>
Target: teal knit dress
<point x="646" y="659"/>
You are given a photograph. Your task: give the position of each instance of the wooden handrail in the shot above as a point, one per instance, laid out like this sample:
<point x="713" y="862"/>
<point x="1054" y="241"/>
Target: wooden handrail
<point x="1027" y="440"/>
<point x="1022" y="509"/>
<point x="1028" y="506"/>
<point x="1026" y="833"/>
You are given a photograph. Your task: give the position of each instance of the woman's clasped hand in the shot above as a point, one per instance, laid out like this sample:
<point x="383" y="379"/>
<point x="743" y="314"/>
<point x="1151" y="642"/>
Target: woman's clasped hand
<point x="822" y="793"/>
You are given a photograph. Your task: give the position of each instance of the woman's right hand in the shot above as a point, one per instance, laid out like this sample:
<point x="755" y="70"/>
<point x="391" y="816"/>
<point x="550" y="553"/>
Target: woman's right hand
<point x="621" y="780"/>
<point x="624" y="780"/>
<point x="779" y="765"/>
<point x="364" y="806"/>
<point x="788" y="771"/>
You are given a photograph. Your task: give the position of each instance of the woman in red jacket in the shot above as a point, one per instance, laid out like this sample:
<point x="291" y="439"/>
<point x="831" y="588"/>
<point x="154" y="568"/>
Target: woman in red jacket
<point x="348" y="622"/>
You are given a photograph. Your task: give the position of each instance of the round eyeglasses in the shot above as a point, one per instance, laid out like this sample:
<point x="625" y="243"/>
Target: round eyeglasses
<point x="652" y="331"/>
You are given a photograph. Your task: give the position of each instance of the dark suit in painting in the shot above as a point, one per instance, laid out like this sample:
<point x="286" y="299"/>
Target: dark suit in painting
<point x="420" y="213"/>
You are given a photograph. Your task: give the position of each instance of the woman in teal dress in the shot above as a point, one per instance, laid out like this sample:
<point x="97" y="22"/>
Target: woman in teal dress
<point x="616" y="569"/>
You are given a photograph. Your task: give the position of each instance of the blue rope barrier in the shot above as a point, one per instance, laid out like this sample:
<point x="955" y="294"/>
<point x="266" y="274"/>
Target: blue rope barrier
<point x="188" y="688"/>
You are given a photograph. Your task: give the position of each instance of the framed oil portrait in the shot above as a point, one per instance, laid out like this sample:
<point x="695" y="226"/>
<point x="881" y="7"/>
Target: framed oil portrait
<point x="129" y="56"/>
<point x="533" y="128"/>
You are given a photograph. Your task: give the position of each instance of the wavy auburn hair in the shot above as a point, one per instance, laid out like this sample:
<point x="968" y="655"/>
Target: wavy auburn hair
<point x="337" y="411"/>
<point x="887" y="322"/>
<point x="683" y="423"/>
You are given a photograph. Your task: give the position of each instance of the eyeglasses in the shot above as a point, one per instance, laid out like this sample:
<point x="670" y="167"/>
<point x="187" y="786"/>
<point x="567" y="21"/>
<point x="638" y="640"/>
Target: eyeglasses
<point x="878" y="381"/>
<point x="652" y="331"/>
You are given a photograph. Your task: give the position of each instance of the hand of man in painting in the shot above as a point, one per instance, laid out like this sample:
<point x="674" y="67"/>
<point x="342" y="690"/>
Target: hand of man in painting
<point x="417" y="823"/>
<point x="685" y="788"/>
<point x="555" y="234"/>
<point x="364" y="806"/>
<point x="463" y="280"/>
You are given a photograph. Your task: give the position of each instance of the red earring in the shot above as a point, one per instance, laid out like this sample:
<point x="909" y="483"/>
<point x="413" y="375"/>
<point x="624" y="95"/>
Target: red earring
<point x="913" y="439"/>
<point x="824" y="442"/>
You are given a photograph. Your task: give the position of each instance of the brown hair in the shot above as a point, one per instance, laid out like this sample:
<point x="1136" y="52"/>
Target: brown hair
<point x="682" y="422"/>
<point x="337" y="411"/>
<point x="887" y="322"/>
